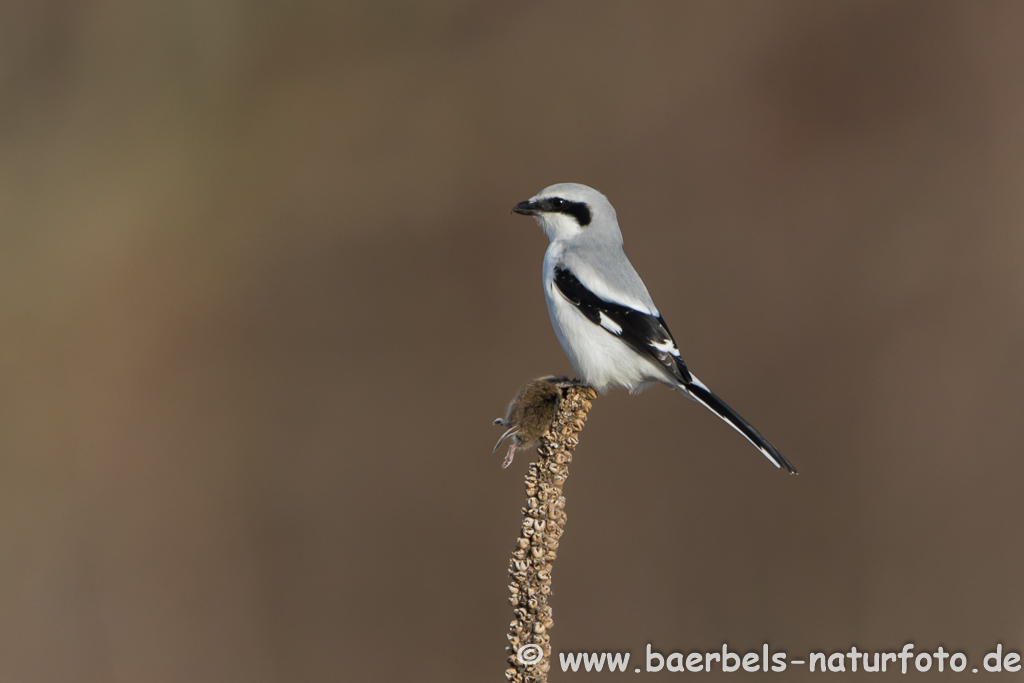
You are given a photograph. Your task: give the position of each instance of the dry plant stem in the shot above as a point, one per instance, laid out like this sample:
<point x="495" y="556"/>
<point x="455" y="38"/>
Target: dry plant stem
<point x="543" y="523"/>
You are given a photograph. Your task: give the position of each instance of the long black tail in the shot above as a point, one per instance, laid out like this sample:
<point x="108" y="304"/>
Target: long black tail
<point x="704" y="396"/>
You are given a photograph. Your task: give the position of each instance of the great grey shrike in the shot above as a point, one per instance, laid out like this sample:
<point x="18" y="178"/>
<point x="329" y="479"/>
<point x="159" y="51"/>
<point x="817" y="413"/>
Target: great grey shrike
<point x="603" y="316"/>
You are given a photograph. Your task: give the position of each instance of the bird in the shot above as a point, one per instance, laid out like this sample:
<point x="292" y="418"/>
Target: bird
<point x="529" y="415"/>
<point x="601" y="312"/>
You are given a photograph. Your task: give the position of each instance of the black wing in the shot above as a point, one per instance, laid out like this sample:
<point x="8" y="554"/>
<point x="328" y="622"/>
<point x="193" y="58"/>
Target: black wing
<point x="646" y="334"/>
<point x="649" y="336"/>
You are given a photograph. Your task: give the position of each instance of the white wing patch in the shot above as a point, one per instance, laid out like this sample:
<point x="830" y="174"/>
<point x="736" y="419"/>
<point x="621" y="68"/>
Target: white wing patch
<point x="666" y="346"/>
<point x="609" y="324"/>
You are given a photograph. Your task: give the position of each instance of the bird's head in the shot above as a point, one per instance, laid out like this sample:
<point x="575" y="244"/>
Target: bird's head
<point x="569" y="210"/>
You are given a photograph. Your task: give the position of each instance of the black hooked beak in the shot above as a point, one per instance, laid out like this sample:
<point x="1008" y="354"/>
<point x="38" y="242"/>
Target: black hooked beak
<point x="527" y="208"/>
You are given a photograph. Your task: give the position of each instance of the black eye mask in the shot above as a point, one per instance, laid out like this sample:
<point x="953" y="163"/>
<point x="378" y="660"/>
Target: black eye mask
<point x="578" y="210"/>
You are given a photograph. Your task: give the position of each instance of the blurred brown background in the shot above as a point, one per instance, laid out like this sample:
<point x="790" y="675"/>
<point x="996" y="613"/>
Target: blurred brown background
<point x="261" y="295"/>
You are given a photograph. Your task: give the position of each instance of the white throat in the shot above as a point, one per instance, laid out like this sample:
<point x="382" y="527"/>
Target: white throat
<point x="559" y="226"/>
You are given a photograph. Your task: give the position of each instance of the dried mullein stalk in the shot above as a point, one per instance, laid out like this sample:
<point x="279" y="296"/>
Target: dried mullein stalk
<point x="543" y="522"/>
